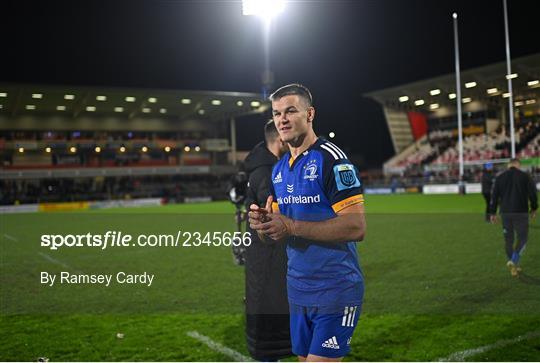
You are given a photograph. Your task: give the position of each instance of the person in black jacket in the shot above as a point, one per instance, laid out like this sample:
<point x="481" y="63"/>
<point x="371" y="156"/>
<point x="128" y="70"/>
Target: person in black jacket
<point x="267" y="307"/>
<point x="515" y="189"/>
<point x="487" y="184"/>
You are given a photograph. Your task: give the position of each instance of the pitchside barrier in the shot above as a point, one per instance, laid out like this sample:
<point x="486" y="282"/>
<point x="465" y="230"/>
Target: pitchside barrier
<point x="444" y="189"/>
<point x="71" y="206"/>
<point x="391" y="190"/>
<point x="470" y="188"/>
<point x="451" y="188"/>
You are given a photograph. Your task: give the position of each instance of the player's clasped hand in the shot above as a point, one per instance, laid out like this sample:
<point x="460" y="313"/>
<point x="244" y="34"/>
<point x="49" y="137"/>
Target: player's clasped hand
<point x="266" y="223"/>
<point x="258" y="215"/>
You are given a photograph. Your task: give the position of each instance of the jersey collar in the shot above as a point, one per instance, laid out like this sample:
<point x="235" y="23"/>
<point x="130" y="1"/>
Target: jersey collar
<point x="293" y="161"/>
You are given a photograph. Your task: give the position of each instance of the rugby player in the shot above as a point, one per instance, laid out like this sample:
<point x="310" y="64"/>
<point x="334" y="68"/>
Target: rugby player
<point x="317" y="208"/>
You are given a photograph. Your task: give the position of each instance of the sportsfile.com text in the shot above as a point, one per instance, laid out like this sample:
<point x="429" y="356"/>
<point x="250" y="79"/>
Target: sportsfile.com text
<point x="121" y="239"/>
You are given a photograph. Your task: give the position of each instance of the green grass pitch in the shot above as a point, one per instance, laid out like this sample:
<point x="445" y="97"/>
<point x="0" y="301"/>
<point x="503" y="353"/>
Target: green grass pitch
<point x="436" y="284"/>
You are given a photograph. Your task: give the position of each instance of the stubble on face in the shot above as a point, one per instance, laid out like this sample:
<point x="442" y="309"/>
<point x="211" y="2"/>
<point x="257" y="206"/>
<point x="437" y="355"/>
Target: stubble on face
<point x="291" y="119"/>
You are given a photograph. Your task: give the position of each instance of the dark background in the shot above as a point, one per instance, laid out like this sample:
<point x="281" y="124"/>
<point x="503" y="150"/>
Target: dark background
<point x="339" y="49"/>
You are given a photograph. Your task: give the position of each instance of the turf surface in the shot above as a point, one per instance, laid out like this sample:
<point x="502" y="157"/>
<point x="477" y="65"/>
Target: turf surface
<point x="436" y="284"/>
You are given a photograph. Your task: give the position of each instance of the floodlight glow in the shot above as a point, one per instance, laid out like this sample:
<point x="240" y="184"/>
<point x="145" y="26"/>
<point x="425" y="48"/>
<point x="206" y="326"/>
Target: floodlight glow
<point x="511" y="76"/>
<point x="530" y="102"/>
<point x="491" y="91"/>
<point x="152" y="100"/>
<point x="435" y="92"/>
<point x="37" y="95"/>
<point x="90" y="108"/>
<point x="201" y="112"/>
<point x="518" y="103"/>
<point x="403" y="99"/>
<point x="533" y="83"/>
<point x="185" y="101"/>
<point x="122" y="149"/>
<point x="434" y="106"/>
<point x="144" y="149"/>
<point x="452" y="96"/>
<point x="332" y="134"/>
<point x="3" y="94"/>
<point x="146" y="110"/>
<point x="466" y="100"/>
<point x="197" y="148"/>
<point x="239" y="103"/>
<point x="162" y="110"/>
<point x="506" y="95"/>
<point x="167" y="149"/>
<point x="255" y="103"/>
<point x="21" y="149"/>
<point x="60" y="108"/>
<point x="419" y="102"/>
<point x="69" y="97"/>
<point x="266" y="9"/>
<point x="187" y="149"/>
<point x="454" y="15"/>
<point x="97" y="149"/>
<point x="130" y="99"/>
<point x="216" y="102"/>
<point x="101" y="98"/>
<point x="30" y="107"/>
<point x="73" y="149"/>
<point x="118" y="109"/>
<point x="47" y="149"/>
<point x="470" y="84"/>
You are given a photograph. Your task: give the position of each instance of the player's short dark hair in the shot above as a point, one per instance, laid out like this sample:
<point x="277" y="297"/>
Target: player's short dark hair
<point x="293" y="89"/>
<point x="270" y="131"/>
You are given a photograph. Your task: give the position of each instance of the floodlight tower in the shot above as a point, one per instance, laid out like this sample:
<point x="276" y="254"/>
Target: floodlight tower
<point x="458" y="95"/>
<point x="266" y="10"/>
<point x="509" y="77"/>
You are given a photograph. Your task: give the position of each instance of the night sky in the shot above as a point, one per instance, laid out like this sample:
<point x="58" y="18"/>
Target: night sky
<point x="339" y="49"/>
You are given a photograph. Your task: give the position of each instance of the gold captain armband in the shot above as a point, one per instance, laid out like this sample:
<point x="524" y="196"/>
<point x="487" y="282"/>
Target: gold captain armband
<point x="355" y="199"/>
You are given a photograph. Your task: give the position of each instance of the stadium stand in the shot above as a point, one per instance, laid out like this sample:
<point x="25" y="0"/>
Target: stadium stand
<point x="422" y="121"/>
<point x="66" y="144"/>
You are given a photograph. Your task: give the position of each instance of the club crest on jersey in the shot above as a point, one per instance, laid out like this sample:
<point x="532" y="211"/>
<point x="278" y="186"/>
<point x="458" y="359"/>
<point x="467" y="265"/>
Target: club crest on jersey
<point x="345" y="177"/>
<point x="310" y="170"/>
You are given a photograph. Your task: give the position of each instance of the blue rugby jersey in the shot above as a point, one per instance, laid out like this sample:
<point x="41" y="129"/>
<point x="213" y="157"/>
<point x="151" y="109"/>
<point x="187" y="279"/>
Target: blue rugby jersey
<point x="314" y="187"/>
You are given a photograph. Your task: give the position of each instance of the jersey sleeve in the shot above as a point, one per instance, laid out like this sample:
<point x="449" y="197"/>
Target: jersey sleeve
<point x="342" y="184"/>
<point x="495" y="195"/>
<point x="275" y="206"/>
<point x="532" y="194"/>
<point x="275" y="175"/>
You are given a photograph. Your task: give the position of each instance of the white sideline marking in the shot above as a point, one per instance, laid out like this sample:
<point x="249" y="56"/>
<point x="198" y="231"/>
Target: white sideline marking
<point x="233" y="354"/>
<point x="50" y="259"/>
<point x="11" y="238"/>
<point x="461" y="356"/>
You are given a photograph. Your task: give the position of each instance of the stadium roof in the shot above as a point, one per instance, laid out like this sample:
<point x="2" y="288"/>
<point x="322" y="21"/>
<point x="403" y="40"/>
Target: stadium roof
<point x="70" y="101"/>
<point x="487" y="84"/>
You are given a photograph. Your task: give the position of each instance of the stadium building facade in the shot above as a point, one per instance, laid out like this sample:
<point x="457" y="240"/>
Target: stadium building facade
<point x="66" y="144"/>
<point x="422" y="120"/>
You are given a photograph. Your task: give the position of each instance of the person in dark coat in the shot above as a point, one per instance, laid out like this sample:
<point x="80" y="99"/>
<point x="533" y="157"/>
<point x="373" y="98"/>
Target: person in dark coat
<point x="267" y="307"/>
<point x="515" y="189"/>
<point x="487" y="184"/>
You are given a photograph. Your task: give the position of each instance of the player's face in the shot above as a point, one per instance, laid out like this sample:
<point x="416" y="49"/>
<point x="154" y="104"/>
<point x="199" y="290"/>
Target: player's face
<point x="292" y="117"/>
